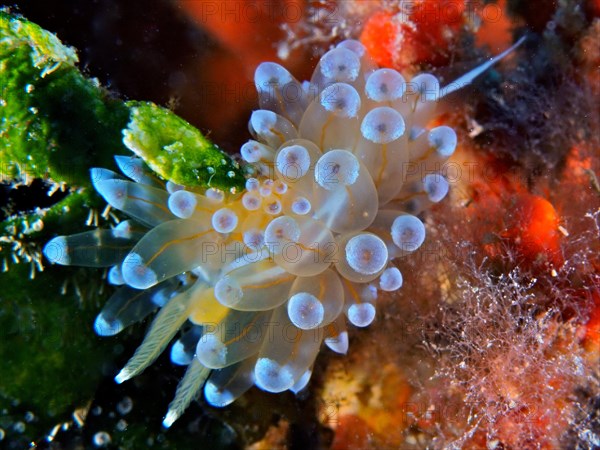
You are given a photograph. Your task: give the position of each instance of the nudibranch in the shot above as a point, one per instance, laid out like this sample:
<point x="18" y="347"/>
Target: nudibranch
<point x="257" y="281"/>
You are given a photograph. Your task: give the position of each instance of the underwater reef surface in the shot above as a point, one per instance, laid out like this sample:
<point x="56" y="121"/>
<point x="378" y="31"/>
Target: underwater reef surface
<point x="493" y="340"/>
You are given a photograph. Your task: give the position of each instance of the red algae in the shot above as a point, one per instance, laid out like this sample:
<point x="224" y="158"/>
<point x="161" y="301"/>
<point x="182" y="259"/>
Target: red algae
<point x="591" y="339"/>
<point x="531" y="230"/>
<point x="352" y="433"/>
<point x="421" y="34"/>
<point x="495" y="28"/>
<point x="380" y="35"/>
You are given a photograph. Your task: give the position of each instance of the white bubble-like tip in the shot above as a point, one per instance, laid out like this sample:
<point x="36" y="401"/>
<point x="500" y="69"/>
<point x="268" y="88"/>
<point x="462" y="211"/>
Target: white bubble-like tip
<point x="301" y="206"/>
<point x="336" y="168"/>
<point x="224" y="220"/>
<point x="282" y="230"/>
<point x="179" y="356"/>
<point x="182" y="203"/>
<point x="385" y="85"/>
<point x="114" y="191"/>
<point x="115" y="277"/>
<point x="216" y="396"/>
<point x="254" y="151"/>
<point x="361" y="314"/>
<point x="273" y="207"/>
<point x="443" y="139"/>
<point x="136" y="274"/>
<point x="382" y="125"/>
<point x="211" y="352"/>
<point x="340" y="99"/>
<point x="269" y="75"/>
<point x="340" y="64"/>
<point x="293" y="162"/>
<point x="339" y="343"/>
<point x="436" y="187"/>
<point x="252" y="184"/>
<point x="263" y="121"/>
<point x="251" y="201"/>
<point x="305" y="310"/>
<point x="408" y="232"/>
<point x="228" y="292"/>
<point x="427" y="86"/>
<point x="103" y="327"/>
<point x="57" y="251"/>
<point x="390" y="280"/>
<point x="366" y="254"/>
<point x="271" y="376"/>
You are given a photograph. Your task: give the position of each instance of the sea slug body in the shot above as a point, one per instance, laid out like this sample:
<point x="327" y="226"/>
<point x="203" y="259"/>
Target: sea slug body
<point x="257" y="281"/>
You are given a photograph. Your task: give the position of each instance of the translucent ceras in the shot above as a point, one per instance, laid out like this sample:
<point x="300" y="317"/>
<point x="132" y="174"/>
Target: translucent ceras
<point x="255" y="282"/>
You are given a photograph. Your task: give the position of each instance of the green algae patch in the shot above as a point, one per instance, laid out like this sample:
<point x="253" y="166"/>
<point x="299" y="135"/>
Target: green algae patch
<point x="54" y="122"/>
<point x="45" y="49"/>
<point x="177" y="151"/>
<point x="52" y="360"/>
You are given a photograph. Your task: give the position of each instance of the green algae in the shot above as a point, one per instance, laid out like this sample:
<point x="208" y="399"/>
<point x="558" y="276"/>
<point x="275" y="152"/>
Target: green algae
<point x="52" y="359"/>
<point x="54" y="122"/>
<point x="177" y="151"/>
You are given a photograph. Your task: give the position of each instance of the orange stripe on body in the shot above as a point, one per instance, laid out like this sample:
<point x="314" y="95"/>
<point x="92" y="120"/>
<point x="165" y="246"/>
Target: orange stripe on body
<point x="174" y="241"/>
